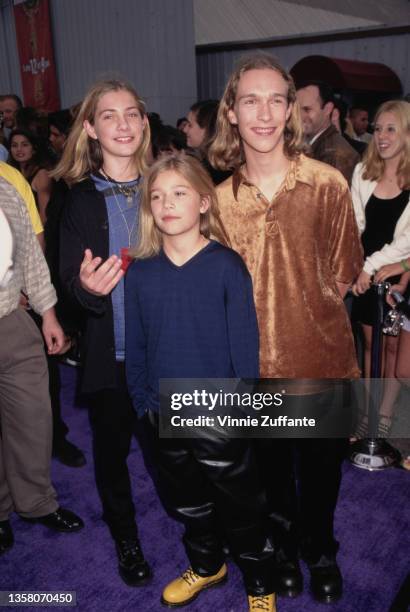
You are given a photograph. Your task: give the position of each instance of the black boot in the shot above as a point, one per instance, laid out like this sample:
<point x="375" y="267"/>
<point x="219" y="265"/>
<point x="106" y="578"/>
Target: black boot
<point x="133" y="568"/>
<point x="326" y="582"/>
<point x="289" y="578"/>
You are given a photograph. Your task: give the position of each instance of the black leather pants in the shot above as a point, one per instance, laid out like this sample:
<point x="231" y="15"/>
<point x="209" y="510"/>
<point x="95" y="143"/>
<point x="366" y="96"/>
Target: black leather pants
<point x="212" y="486"/>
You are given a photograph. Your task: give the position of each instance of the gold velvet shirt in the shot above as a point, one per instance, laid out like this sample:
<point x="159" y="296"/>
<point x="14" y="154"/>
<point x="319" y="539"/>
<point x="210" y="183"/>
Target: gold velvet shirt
<point x="296" y="248"/>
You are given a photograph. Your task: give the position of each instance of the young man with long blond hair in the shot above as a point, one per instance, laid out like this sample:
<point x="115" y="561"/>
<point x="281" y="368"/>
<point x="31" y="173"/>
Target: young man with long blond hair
<point x="103" y="162"/>
<point x="291" y="219"/>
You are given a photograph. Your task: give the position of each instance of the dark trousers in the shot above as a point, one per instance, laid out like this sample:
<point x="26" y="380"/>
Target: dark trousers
<point x="60" y="429"/>
<point x="212" y="486"/>
<point x="302" y="479"/>
<point x="112" y="420"/>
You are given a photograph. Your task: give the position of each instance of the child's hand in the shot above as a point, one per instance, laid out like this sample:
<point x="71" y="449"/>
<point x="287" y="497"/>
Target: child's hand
<point x="362" y="283"/>
<point x="100" y="278"/>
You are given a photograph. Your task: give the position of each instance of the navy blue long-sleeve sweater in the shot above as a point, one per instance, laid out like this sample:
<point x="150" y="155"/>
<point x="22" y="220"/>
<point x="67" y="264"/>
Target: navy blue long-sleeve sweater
<point x="197" y="320"/>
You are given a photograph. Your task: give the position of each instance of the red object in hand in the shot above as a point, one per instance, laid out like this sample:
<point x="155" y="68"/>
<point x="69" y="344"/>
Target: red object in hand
<point x="125" y="259"/>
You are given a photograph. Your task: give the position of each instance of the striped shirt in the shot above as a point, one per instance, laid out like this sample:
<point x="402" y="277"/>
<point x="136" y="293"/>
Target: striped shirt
<point x="30" y="271"/>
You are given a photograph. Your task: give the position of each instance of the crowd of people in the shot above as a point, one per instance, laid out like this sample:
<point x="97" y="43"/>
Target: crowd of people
<point x="223" y="247"/>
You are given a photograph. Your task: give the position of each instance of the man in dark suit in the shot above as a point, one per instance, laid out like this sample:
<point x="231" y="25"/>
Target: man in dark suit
<point x="327" y="145"/>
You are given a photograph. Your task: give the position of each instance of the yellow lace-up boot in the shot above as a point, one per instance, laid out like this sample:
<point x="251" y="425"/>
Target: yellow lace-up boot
<point x="187" y="587"/>
<point x="262" y="603"/>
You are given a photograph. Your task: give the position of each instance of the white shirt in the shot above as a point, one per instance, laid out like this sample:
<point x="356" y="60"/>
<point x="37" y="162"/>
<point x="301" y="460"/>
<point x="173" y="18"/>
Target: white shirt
<point x="316" y="136"/>
<point x="6" y="250"/>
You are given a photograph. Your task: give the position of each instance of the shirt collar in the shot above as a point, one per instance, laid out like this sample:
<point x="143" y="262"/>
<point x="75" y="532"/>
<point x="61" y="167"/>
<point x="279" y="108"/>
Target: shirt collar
<point x="316" y="136"/>
<point x="330" y="130"/>
<point x="300" y="170"/>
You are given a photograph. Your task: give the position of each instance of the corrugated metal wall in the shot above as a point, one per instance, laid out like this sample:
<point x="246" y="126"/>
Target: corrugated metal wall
<point x="10" y="81"/>
<point x="213" y="68"/>
<point x="149" y="42"/>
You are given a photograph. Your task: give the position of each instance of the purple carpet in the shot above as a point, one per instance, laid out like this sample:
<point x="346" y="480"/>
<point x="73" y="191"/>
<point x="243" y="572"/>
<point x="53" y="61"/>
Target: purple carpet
<point x="372" y="524"/>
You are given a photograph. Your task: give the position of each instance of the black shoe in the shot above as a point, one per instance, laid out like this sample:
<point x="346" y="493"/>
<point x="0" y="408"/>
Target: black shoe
<point x="6" y="536"/>
<point x="133" y="568"/>
<point x="68" y="454"/>
<point x="326" y="581"/>
<point x="61" y="520"/>
<point x="289" y="578"/>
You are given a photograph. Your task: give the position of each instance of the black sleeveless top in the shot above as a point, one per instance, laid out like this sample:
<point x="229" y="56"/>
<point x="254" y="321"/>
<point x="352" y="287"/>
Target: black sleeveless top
<point x="382" y="216"/>
<point x="381" y="220"/>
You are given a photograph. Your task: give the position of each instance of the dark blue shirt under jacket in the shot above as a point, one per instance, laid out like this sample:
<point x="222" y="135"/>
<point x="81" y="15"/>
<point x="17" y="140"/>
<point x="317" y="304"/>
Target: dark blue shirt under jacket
<point x="197" y="320"/>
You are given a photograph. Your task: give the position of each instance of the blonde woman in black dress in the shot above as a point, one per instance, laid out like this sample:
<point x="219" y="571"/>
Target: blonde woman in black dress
<point x="380" y="191"/>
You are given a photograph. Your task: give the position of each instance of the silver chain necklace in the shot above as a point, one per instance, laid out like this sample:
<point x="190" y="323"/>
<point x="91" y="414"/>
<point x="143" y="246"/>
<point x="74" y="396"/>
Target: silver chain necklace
<point x="128" y="191"/>
<point x="135" y="189"/>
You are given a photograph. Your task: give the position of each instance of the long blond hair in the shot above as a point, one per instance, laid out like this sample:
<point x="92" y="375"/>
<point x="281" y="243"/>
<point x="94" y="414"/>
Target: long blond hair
<point x="226" y="151"/>
<point x="82" y="154"/>
<point x="149" y="240"/>
<point x="373" y="164"/>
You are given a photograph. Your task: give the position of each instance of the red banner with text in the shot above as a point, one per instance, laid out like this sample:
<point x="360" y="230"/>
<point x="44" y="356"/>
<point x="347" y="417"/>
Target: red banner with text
<point x="35" y="47"/>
